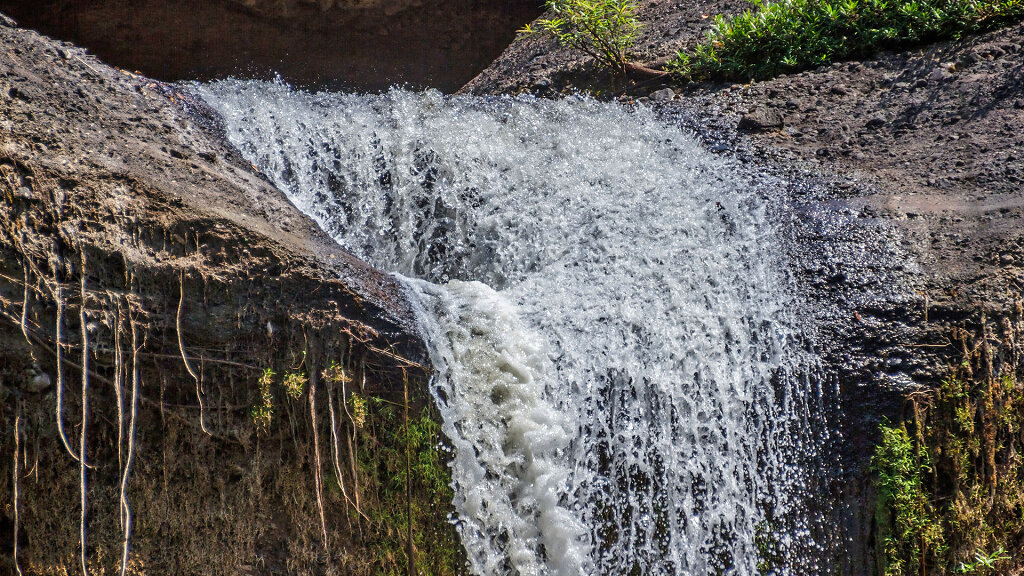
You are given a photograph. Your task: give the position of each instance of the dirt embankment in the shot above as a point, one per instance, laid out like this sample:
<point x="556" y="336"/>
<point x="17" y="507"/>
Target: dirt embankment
<point x="904" y="174"/>
<point x="140" y="256"/>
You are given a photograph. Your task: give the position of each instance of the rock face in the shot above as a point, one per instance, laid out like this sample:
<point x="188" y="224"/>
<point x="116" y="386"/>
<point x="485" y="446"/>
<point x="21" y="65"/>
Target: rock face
<point x="141" y="257"/>
<point x="351" y="44"/>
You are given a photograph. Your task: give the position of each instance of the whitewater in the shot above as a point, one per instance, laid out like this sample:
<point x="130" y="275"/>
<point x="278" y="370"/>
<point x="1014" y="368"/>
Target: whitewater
<point x="621" y="362"/>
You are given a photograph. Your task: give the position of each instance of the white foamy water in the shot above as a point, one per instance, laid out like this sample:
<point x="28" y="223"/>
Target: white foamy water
<point x="621" y="369"/>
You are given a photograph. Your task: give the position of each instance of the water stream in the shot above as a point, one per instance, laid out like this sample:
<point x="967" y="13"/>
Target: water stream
<point x="622" y="369"/>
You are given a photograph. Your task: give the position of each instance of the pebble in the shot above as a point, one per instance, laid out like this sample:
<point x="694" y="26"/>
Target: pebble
<point x="1006" y="259"/>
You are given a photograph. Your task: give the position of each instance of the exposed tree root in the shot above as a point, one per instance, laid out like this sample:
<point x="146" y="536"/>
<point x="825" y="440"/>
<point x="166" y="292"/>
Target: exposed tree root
<point x="408" y="476"/>
<point x="335" y="459"/>
<point x="59" y="348"/>
<point x="126" y="511"/>
<point x="24" y="302"/>
<point x="184" y="357"/>
<point x="15" y="479"/>
<point x="318" y="478"/>
<point x="352" y="445"/>
<point x="118" y="388"/>
<point x="82" y="473"/>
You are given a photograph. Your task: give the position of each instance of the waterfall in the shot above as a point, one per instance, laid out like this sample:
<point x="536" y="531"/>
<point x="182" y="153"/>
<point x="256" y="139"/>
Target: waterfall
<point x="621" y="363"/>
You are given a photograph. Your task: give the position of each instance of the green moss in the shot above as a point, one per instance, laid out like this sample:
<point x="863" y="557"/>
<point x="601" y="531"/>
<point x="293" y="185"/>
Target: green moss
<point x="790" y="35"/>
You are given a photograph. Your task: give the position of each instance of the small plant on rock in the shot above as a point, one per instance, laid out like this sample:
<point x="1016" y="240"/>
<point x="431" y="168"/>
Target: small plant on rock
<point x="263" y="411"/>
<point x="293" y="384"/>
<point x="602" y="29"/>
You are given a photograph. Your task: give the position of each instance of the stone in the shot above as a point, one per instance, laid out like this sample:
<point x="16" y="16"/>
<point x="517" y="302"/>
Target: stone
<point x="876" y="122"/>
<point x="663" y="95"/>
<point x="761" y="120"/>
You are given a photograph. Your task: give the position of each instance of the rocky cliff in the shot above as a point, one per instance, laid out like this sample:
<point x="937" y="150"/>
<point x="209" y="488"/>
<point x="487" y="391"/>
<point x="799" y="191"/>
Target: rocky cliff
<point x="228" y="373"/>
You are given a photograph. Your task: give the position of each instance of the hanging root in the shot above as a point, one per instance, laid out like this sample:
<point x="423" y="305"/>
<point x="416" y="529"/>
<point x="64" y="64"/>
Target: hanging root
<point x="85" y="415"/>
<point x="335" y="459"/>
<point x="118" y="388"/>
<point x="59" y="298"/>
<point x="352" y="444"/>
<point x="184" y="357"/>
<point x="17" y="448"/>
<point x="126" y="512"/>
<point x="24" y="305"/>
<point x="316" y="454"/>
<point x="408" y="475"/>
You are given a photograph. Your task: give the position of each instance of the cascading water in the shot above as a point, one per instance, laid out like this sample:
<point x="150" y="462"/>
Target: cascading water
<point x="620" y="365"/>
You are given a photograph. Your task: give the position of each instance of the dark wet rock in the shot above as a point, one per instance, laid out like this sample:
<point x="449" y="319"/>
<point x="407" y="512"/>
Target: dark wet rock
<point x="876" y="122"/>
<point x="761" y="120"/>
<point x="663" y="95"/>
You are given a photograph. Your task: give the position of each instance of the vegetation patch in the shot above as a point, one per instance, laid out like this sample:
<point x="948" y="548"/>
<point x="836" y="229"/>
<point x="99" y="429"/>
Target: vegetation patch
<point x="791" y="35"/>
<point x="605" y="30"/>
<point x="950" y="476"/>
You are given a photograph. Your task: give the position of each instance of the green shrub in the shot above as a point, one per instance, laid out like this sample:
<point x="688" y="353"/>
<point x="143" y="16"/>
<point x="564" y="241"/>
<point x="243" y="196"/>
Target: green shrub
<point x="951" y="492"/>
<point x="603" y="29"/>
<point x="790" y="35"/>
<point x="909" y="529"/>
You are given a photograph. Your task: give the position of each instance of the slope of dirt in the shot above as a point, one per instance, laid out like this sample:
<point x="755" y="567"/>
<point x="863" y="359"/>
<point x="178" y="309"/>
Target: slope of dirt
<point x="138" y="252"/>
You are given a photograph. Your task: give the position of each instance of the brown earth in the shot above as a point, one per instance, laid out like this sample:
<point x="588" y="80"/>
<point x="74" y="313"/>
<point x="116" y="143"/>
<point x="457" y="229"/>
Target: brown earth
<point x="904" y="178"/>
<point x="127" y="222"/>
<point x="350" y="44"/>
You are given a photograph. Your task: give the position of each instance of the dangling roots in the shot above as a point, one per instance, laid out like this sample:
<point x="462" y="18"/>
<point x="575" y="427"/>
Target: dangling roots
<point x="17" y="449"/>
<point x="184" y="357"/>
<point x="126" y="512"/>
<point x="316" y="454"/>
<point x="59" y="298"/>
<point x="85" y="415"/>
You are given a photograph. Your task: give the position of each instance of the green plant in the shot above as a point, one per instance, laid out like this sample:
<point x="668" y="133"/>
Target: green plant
<point x="950" y="479"/>
<point x="412" y="494"/>
<point x="335" y="374"/>
<point x="263" y="411"/>
<point x="293" y="384"/>
<point x="790" y="35"/>
<point x="357" y="403"/>
<point x="602" y="29"/>
<point x="983" y="563"/>
<point x="910" y="529"/>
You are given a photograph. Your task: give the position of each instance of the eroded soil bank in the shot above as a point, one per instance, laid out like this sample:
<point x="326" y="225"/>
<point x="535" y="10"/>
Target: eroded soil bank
<point x="281" y="422"/>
